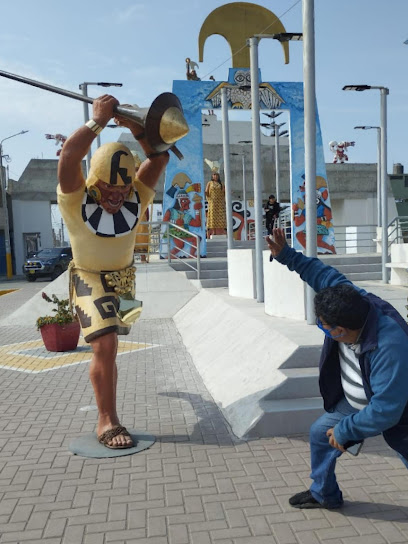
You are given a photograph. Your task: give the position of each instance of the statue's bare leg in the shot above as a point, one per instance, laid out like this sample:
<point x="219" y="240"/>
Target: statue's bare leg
<point x="103" y="374"/>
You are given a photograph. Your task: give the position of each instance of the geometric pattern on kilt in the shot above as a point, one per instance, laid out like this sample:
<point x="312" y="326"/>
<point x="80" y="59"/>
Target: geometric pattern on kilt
<point x="81" y="288"/>
<point x="97" y="311"/>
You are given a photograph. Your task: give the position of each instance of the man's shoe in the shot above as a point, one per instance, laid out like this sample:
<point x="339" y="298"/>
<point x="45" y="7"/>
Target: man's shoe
<point x="305" y="500"/>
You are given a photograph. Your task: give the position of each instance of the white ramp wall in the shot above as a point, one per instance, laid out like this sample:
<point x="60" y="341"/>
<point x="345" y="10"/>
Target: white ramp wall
<point x="236" y="353"/>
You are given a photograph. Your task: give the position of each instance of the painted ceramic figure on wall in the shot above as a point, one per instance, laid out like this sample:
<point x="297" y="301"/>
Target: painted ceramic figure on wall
<point x="179" y="215"/>
<point x="325" y="243"/>
<point x="339" y="149"/>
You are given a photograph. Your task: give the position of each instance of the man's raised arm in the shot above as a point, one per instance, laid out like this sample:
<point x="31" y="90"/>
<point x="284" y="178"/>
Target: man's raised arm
<point x="77" y="146"/>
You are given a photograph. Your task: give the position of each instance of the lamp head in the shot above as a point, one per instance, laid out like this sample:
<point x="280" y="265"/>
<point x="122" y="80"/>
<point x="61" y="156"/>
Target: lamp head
<point x="288" y="36"/>
<point x="106" y="84"/>
<point x="356" y="87"/>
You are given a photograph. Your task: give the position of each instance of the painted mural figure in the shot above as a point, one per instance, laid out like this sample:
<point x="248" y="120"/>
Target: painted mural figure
<point x="179" y="215"/>
<point x="102" y="215"/>
<point x="238" y="90"/>
<point x="323" y="218"/>
<point x="215" y="195"/>
<point x="339" y="149"/>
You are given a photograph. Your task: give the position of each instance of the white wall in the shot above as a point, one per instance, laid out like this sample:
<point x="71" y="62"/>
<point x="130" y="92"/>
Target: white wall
<point x="29" y="216"/>
<point x="241" y="273"/>
<point x="284" y="291"/>
<point x="238" y="131"/>
<point x="359" y="211"/>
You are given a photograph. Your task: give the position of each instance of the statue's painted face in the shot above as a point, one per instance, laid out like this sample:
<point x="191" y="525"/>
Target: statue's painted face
<point x="113" y="196"/>
<point x="215" y="177"/>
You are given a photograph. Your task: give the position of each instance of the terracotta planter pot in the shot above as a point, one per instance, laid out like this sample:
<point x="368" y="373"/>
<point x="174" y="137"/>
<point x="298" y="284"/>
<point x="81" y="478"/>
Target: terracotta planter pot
<point x="61" y="337"/>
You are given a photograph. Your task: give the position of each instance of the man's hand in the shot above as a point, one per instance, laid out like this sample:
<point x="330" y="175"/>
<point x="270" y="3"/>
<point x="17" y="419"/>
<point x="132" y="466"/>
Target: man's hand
<point x="278" y="243"/>
<point x="197" y="206"/>
<point x="103" y="109"/>
<point x="333" y="442"/>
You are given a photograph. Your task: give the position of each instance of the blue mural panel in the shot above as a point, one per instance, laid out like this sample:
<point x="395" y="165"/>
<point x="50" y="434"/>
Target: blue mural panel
<point x="198" y="95"/>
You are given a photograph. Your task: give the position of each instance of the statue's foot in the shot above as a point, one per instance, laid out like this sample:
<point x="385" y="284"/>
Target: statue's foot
<point x="116" y="438"/>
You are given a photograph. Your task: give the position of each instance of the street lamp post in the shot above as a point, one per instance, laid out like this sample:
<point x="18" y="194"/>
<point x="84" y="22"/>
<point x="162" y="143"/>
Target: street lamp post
<point x="378" y="129"/>
<point x="245" y="142"/>
<point x="9" y="265"/>
<point x="276" y="134"/>
<point x="384" y="92"/>
<point x="259" y="242"/>
<point x="310" y="142"/>
<point x="84" y="88"/>
<point x="227" y="169"/>
<point x="256" y="152"/>
<point x="244" y="197"/>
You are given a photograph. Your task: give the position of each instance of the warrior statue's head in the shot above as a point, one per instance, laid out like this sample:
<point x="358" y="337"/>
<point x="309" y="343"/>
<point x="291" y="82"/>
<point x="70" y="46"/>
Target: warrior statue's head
<point x="111" y="175"/>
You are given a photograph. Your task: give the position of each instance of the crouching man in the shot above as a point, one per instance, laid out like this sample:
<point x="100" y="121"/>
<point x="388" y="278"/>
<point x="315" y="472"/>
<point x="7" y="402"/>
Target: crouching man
<point x="363" y="372"/>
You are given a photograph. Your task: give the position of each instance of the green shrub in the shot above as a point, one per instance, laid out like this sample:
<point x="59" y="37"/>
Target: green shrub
<point x="62" y="316"/>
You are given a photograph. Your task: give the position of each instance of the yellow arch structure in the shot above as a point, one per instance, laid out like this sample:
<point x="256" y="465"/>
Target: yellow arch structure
<point x="236" y="22"/>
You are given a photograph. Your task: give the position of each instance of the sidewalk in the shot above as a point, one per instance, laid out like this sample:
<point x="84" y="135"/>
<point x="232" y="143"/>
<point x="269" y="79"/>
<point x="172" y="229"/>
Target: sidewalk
<point x="198" y="484"/>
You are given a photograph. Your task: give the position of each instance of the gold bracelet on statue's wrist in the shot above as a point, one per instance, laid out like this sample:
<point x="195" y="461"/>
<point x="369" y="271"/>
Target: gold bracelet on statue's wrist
<point x="93" y="125"/>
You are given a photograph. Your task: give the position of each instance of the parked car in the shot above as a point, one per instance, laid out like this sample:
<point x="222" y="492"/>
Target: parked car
<point x="50" y="262"/>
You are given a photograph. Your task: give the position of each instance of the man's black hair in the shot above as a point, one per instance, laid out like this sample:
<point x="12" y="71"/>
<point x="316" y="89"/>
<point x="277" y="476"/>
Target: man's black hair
<point x="342" y="306"/>
<point x="271" y="196"/>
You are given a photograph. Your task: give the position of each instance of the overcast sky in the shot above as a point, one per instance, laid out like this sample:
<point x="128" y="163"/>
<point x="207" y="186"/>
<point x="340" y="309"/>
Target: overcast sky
<point x="143" y="44"/>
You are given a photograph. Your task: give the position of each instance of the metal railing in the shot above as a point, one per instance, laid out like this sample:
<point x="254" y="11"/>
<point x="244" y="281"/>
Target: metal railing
<point x="157" y="241"/>
<point x="283" y="223"/>
<point x="355" y="239"/>
<point x="398" y="230"/>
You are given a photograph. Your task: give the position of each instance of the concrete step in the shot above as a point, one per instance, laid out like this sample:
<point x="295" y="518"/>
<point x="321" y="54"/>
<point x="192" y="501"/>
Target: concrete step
<point x="207" y="274"/>
<point x="363" y="258"/>
<point x="364" y="276"/>
<point x="212" y="283"/>
<point x="299" y="383"/>
<point x="367" y="267"/>
<point x="214" y="254"/>
<point x="205" y="264"/>
<point x="303" y="357"/>
<point x="286" y="417"/>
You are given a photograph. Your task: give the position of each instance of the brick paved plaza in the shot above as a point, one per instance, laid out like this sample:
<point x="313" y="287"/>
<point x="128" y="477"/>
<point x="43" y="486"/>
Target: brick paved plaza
<point x="197" y="484"/>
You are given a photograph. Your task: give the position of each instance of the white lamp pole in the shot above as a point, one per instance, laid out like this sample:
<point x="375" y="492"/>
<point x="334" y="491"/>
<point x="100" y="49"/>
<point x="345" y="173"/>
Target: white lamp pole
<point x="256" y="151"/>
<point x="384" y="92"/>
<point x="310" y="143"/>
<point x="227" y="168"/>
<point x="244" y="197"/>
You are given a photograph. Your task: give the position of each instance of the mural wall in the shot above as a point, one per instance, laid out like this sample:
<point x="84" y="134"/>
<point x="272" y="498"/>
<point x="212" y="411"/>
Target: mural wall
<point x="196" y="95"/>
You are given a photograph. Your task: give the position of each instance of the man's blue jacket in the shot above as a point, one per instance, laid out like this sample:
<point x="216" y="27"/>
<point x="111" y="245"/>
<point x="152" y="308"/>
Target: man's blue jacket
<point x="383" y="362"/>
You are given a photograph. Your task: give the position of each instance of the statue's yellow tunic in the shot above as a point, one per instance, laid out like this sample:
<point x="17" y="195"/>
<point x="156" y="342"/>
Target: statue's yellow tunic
<point x="101" y="243"/>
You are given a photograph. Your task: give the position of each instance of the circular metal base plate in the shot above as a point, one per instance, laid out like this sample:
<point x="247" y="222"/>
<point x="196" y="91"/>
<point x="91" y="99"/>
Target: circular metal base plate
<point x="88" y="445"/>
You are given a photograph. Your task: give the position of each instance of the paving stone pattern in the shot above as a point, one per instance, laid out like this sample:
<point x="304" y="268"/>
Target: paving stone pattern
<point x="198" y="484"/>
